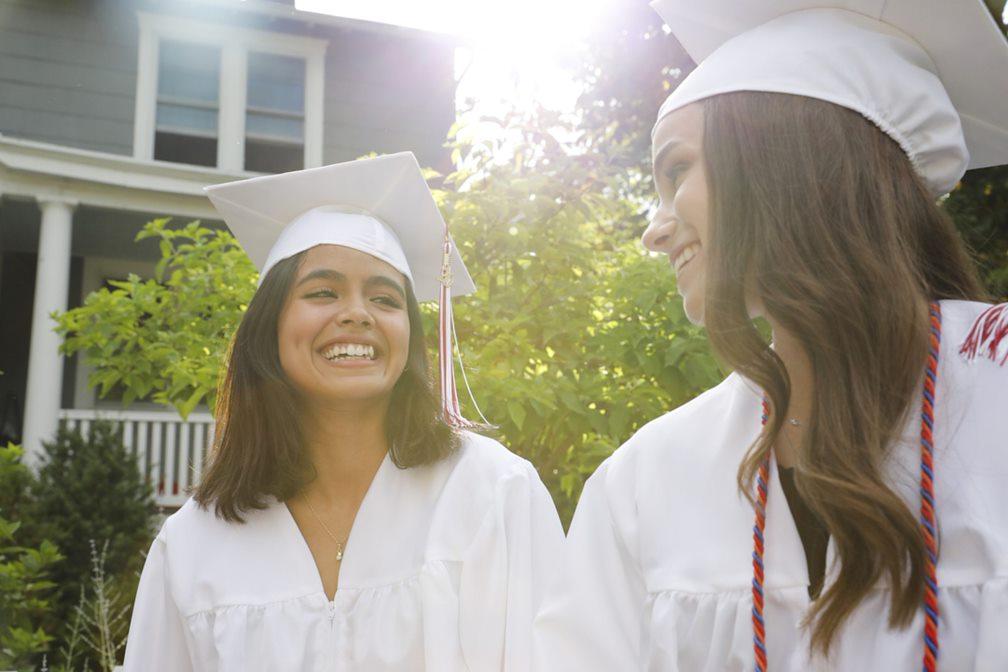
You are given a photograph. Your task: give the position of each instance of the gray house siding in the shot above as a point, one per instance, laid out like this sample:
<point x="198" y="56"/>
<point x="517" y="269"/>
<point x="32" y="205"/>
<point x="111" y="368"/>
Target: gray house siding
<point x="68" y="77"/>
<point x="68" y="73"/>
<point x="384" y="96"/>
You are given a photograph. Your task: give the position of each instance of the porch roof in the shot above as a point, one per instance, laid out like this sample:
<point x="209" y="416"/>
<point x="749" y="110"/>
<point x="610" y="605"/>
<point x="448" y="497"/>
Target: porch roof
<point x="39" y="170"/>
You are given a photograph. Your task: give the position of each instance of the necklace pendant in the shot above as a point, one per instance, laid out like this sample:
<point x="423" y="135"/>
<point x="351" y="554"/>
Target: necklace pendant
<point x="339" y="554"/>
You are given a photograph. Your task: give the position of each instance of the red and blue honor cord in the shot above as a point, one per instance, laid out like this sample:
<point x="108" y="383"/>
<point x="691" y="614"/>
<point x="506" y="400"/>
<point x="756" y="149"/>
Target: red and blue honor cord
<point x="927" y="516"/>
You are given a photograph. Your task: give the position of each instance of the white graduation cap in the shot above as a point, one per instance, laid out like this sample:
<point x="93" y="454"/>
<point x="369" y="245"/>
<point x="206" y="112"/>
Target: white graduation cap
<point x="381" y="206"/>
<point x="932" y="74"/>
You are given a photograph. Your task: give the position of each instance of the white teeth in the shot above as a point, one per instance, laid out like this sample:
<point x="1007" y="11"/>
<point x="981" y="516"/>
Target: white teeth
<point x="685" y="256"/>
<point x="345" y="350"/>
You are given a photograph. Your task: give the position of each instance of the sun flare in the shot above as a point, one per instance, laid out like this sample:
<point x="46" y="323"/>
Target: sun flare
<point x="509" y="51"/>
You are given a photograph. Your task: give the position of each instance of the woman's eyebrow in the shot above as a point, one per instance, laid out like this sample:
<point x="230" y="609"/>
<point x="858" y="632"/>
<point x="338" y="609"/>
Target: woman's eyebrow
<point x="662" y="152"/>
<point x="386" y="281"/>
<point x="324" y="273"/>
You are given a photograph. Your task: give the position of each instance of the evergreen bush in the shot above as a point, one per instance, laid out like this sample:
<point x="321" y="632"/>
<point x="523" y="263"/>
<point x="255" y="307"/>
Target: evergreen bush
<point x="90" y="489"/>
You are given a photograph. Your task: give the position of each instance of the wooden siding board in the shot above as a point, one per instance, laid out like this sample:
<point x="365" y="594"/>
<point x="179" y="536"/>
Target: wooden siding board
<point x="68" y="73"/>
<point x="353" y="143"/>
<point x="72" y="102"/>
<point x="395" y="97"/>
<point x="340" y="115"/>
<point x="102" y="135"/>
<point x="110" y="23"/>
<point x="121" y="58"/>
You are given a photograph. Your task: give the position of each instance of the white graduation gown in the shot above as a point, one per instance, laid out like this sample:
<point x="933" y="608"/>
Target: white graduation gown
<point x="657" y="568"/>
<point x="444" y="569"/>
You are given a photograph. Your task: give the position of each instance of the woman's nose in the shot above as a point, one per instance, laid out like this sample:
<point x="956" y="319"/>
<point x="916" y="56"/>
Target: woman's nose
<point x="354" y="312"/>
<point x="658" y="234"/>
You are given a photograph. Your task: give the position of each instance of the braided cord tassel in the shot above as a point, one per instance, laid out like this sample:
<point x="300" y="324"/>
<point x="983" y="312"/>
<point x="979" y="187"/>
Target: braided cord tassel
<point x="758" y="624"/>
<point x="450" y="409"/>
<point x="927" y="507"/>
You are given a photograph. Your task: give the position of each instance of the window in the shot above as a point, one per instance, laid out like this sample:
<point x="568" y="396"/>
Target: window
<point x="187" y="103"/>
<point x="274" y="121"/>
<point x="227" y="97"/>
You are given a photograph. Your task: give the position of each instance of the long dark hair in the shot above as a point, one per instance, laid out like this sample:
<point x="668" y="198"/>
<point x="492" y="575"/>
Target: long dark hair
<point x="259" y="448"/>
<point x="823" y="215"/>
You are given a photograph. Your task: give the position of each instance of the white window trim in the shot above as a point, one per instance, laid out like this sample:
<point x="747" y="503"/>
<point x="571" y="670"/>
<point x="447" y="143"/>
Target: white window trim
<point x="235" y="44"/>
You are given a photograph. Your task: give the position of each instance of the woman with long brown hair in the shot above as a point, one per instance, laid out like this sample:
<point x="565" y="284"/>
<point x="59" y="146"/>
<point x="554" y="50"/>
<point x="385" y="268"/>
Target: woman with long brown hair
<point x="347" y="520"/>
<point x="839" y="501"/>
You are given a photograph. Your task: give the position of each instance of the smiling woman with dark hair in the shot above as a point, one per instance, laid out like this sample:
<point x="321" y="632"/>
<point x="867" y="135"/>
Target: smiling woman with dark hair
<point x="348" y="519"/>
<point x="258" y="378"/>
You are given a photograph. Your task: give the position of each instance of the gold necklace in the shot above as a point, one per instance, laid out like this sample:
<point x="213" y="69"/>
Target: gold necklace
<point x="340" y="543"/>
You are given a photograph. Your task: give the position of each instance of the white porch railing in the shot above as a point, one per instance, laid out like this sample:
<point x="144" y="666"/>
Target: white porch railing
<point x="169" y="450"/>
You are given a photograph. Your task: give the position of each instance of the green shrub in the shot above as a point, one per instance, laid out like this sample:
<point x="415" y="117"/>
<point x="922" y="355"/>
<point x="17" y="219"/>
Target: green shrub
<point x="24" y="587"/>
<point x="90" y="488"/>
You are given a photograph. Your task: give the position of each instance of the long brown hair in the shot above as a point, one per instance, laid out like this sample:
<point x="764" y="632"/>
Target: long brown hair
<point x="821" y="215"/>
<point x="258" y="447"/>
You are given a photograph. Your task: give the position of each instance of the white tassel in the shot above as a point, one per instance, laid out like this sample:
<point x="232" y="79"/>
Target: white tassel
<point x="446" y="344"/>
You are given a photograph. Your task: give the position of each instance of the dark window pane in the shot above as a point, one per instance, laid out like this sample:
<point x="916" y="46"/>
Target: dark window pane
<point x="185" y="149"/>
<point x="271" y="157"/>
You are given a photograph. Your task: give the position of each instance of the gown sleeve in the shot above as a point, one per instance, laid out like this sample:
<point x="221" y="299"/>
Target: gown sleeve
<point x="505" y="573"/>
<point x="156" y="641"/>
<point x="592" y="616"/>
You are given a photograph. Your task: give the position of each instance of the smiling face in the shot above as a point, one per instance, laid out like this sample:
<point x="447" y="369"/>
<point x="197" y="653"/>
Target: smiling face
<point x="344" y="331"/>
<point x="679" y="228"/>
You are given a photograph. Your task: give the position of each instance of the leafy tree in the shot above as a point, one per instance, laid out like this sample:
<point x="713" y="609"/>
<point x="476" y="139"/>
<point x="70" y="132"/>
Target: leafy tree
<point x="573" y="338"/>
<point x="25" y="586"/>
<point x="629" y="66"/>
<point x="979" y="207"/>
<point x="165" y="337"/>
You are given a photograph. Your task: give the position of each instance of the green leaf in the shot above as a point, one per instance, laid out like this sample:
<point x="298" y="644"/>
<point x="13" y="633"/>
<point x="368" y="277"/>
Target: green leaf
<point x="517" y="413"/>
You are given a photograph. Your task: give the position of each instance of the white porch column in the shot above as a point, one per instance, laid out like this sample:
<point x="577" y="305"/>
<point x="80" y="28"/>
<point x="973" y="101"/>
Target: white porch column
<point x="45" y="363"/>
